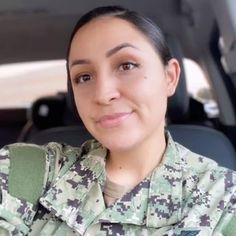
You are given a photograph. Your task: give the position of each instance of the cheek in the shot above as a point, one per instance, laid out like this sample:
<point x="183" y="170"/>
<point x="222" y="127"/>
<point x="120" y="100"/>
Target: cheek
<point x="153" y="88"/>
<point x="154" y="77"/>
<point x="152" y="95"/>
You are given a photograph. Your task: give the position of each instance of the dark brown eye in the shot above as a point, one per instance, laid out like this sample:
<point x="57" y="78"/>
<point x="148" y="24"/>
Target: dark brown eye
<point x="128" y="66"/>
<point x="83" y="78"/>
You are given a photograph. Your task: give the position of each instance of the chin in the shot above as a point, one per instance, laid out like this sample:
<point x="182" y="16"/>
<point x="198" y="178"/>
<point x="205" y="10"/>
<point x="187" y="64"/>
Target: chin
<point x="119" y="143"/>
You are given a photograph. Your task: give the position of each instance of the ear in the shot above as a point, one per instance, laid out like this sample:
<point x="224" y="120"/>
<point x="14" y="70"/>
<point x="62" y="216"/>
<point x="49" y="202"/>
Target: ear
<point x="172" y="76"/>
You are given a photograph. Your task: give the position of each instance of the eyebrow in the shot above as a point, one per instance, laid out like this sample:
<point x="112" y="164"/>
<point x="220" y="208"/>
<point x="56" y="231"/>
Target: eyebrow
<point x="79" y="62"/>
<point x="109" y="53"/>
<point x="118" y="48"/>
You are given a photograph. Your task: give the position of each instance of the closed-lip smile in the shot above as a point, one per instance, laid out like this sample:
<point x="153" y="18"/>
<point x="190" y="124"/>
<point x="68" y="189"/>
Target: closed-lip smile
<point x="113" y="120"/>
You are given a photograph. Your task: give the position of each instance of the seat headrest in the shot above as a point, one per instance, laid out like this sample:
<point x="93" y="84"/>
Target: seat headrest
<point x="48" y="111"/>
<point x="178" y="104"/>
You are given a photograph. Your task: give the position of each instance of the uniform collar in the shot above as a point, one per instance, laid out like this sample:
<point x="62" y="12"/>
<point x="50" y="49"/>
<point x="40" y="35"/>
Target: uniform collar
<point x="155" y="202"/>
<point x="76" y="197"/>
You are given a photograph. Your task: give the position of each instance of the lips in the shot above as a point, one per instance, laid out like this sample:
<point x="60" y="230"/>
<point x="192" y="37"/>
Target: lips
<point x="114" y="119"/>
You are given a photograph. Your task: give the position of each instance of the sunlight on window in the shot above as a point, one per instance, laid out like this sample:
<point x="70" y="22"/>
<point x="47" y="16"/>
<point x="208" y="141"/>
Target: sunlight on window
<point x="195" y="78"/>
<point x="199" y="88"/>
<point x="22" y="83"/>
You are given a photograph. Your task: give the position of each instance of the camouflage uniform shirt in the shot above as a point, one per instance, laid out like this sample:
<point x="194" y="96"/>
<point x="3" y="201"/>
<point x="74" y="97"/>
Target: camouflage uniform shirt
<point x="186" y="195"/>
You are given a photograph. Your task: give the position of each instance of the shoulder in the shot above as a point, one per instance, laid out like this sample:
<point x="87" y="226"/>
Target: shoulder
<point x="208" y="190"/>
<point x="59" y="156"/>
<point x="14" y="154"/>
<point x="53" y="158"/>
<point x="52" y="150"/>
<point x="201" y="167"/>
<point x="195" y="167"/>
<point x="194" y="161"/>
<point x="205" y="179"/>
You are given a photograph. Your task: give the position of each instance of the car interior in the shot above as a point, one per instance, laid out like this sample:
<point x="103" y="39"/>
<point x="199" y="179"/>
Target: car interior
<point x="203" y="31"/>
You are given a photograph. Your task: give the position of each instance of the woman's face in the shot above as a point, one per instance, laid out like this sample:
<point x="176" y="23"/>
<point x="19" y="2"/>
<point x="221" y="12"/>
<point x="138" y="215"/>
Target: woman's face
<point x="120" y="84"/>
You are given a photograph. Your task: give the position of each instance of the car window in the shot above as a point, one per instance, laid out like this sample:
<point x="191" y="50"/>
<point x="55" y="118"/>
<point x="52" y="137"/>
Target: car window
<point x="22" y="83"/>
<point x="199" y="88"/>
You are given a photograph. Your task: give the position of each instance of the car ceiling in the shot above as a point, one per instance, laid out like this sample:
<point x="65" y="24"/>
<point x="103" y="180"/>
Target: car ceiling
<point x="40" y="29"/>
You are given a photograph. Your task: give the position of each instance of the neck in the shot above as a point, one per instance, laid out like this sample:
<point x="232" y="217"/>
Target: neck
<point x="129" y="167"/>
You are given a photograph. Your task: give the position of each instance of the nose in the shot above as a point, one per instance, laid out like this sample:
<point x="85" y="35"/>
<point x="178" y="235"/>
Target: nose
<point x="106" y="90"/>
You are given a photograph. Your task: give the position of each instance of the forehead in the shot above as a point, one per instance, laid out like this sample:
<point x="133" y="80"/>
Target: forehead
<point x="105" y="23"/>
<point x="107" y="32"/>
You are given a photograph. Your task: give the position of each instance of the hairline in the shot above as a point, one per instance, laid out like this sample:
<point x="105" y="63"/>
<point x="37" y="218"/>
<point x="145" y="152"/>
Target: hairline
<point x="118" y="15"/>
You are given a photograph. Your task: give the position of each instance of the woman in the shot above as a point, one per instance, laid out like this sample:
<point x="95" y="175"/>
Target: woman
<point x="135" y="180"/>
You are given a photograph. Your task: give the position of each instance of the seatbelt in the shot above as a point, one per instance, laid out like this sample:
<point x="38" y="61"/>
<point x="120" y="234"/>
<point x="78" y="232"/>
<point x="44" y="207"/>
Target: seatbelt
<point x="27" y="171"/>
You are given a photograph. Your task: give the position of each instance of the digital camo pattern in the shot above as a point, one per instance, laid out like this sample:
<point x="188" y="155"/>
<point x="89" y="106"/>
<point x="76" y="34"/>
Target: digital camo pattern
<point x="13" y="212"/>
<point x="186" y="195"/>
